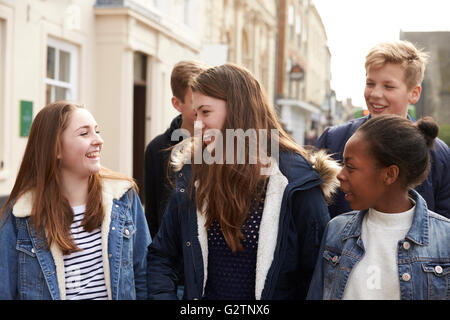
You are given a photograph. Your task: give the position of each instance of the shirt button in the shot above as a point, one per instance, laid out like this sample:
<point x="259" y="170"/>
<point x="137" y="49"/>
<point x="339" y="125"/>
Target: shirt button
<point x="113" y="228"/>
<point x="32" y="250"/>
<point x="438" y="269"/>
<point x="188" y="244"/>
<point x="181" y="190"/>
<point x="406" y="276"/>
<point x="406" y="245"/>
<point x="180" y="175"/>
<point x="335" y="259"/>
<point x="117" y="205"/>
<point x="127" y="232"/>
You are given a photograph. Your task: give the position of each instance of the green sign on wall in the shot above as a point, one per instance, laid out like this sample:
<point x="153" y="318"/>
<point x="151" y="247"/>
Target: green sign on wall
<point x="26" y="117"/>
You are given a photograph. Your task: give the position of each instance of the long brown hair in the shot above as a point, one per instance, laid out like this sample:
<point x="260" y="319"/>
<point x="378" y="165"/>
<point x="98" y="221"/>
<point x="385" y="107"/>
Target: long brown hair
<point x="225" y="191"/>
<point x="39" y="174"/>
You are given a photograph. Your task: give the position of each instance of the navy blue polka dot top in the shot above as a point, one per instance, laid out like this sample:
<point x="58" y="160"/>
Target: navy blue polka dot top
<point x="231" y="276"/>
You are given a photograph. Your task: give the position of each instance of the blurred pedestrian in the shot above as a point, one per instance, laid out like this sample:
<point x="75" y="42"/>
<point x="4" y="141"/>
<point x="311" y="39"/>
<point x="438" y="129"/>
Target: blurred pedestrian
<point x="394" y="73"/>
<point x="71" y="229"/>
<point x="394" y="247"/>
<point x="246" y="230"/>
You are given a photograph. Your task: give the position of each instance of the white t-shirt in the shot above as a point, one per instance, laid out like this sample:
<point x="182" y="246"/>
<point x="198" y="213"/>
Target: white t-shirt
<point x="84" y="273"/>
<point x="375" y="276"/>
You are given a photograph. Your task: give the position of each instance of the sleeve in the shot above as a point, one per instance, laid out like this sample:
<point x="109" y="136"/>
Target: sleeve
<point x="142" y="240"/>
<point x="8" y="258"/>
<point x="310" y="226"/>
<point x="163" y="256"/>
<point x="442" y="198"/>
<point x="150" y="184"/>
<point x="322" y="142"/>
<point x="315" y="291"/>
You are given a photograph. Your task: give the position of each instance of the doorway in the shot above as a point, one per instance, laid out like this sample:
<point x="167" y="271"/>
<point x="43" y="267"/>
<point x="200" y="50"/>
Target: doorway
<point x="139" y="116"/>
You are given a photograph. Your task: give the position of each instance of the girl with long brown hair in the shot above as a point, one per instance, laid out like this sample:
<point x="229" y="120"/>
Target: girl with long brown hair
<point x="71" y="229"/>
<point x="247" y="218"/>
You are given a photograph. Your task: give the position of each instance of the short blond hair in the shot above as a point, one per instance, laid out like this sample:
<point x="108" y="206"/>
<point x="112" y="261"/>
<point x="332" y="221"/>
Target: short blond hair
<point x="182" y="75"/>
<point x="404" y="53"/>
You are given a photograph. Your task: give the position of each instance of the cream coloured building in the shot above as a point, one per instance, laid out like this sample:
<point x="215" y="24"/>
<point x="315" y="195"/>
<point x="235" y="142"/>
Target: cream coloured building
<point x="243" y="32"/>
<point x="114" y="56"/>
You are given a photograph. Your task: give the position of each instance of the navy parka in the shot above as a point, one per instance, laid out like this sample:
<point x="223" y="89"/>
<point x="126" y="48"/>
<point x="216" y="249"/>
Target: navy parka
<point x="303" y="216"/>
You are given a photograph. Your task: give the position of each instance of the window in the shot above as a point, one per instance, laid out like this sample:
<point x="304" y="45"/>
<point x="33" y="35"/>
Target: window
<point x="62" y="75"/>
<point x="189" y="12"/>
<point x="298" y="30"/>
<point x="161" y="5"/>
<point x="291" y="21"/>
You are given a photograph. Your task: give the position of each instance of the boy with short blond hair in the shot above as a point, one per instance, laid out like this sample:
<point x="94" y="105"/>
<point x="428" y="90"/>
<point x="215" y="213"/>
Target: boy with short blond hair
<point x="403" y="53"/>
<point x="394" y="73"/>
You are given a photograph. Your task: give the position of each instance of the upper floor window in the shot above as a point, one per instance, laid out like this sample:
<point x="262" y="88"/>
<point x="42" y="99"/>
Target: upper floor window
<point x="291" y="21"/>
<point x="298" y="30"/>
<point x="62" y="76"/>
<point x="189" y="12"/>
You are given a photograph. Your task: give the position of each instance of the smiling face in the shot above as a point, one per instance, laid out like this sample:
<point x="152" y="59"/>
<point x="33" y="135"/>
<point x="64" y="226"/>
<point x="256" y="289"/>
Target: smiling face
<point x="361" y="180"/>
<point x="386" y="91"/>
<point x="81" y="145"/>
<point x="211" y="112"/>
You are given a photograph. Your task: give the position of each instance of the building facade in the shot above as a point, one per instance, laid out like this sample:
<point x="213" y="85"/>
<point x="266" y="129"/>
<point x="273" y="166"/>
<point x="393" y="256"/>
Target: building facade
<point x="114" y="56"/>
<point x="243" y="32"/>
<point x="303" y="69"/>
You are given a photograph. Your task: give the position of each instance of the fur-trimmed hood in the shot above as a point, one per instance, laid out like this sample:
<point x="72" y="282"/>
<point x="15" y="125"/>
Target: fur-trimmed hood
<point x="291" y="172"/>
<point x="112" y="189"/>
<point x="293" y="166"/>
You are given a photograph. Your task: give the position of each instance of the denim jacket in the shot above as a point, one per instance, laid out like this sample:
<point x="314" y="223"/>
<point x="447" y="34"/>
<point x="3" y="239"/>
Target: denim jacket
<point x="423" y="257"/>
<point x="28" y="271"/>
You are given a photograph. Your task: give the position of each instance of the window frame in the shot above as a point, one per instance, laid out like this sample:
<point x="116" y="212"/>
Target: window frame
<point x="72" y="84"/>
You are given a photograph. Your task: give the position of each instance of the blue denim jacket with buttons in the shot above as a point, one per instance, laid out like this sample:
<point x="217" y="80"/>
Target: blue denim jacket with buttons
<point x="30" y="271"/>
<point x="423" y="257"/>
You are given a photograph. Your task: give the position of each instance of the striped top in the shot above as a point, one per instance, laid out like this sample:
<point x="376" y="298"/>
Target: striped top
<point x="84" y="269"/>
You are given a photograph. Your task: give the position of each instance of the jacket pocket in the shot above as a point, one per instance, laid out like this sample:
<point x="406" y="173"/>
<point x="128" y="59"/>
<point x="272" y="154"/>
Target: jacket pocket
<point x="330" y="271"/>
<point x="129" y="230"/>
<point x="438" y="280"/>
<point x="31" y="279"/>
<point x="26" y="247"/>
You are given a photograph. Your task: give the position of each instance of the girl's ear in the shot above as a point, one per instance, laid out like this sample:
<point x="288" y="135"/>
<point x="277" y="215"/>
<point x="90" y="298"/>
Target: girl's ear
<point x="391" y="174"/>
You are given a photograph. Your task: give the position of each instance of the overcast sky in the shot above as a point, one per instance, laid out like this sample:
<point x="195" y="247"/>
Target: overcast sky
<point x="354" y="26"/>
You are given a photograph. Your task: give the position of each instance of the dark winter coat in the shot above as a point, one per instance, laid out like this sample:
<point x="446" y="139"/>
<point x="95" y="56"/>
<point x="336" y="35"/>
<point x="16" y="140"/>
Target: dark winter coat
<point x="294" y="218"/>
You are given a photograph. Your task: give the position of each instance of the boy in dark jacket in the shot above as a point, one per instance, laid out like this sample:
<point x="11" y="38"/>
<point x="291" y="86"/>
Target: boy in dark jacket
<point x="394" y="73"/>
<point x="157" y="174"/>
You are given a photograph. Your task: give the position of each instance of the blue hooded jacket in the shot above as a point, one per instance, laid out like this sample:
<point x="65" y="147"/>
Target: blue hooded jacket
<point x="435" y="189"/>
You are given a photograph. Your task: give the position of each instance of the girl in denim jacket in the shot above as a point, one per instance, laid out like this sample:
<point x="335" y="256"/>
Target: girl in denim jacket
<point x="70" y="228"/>
<point x="394" y="247"/>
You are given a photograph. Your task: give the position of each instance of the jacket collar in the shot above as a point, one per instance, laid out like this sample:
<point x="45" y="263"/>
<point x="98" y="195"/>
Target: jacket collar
<point x="268" y="230"/>
<point x="418" y="232"/>
<point x="112" y="189"/>
<point x="320" y="170"/>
